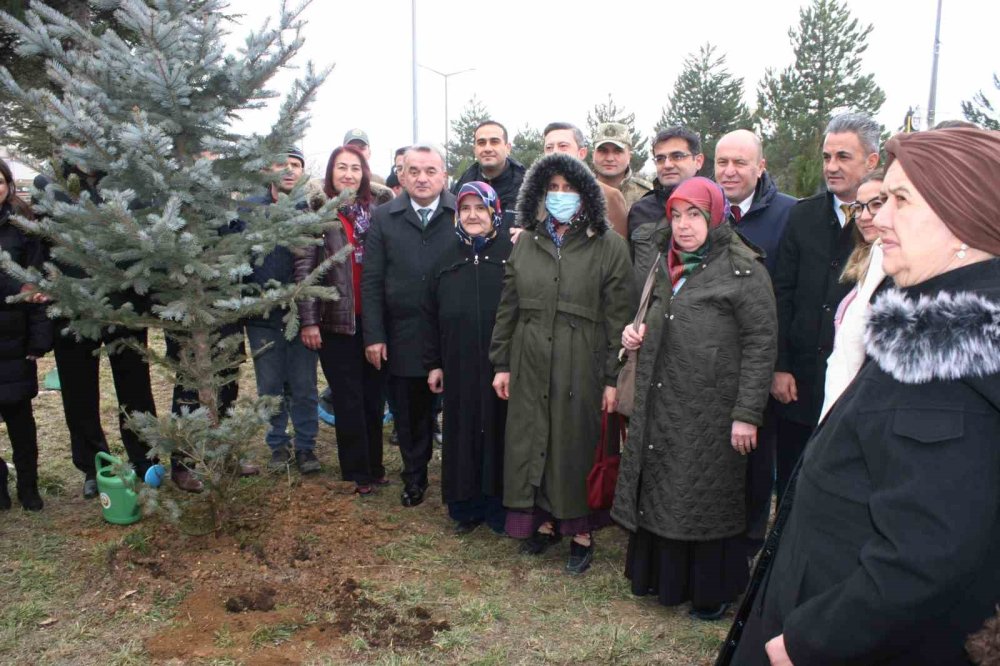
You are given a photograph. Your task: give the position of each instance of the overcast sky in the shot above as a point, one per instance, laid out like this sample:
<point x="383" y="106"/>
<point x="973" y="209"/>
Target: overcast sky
<point x="536" y="61"/>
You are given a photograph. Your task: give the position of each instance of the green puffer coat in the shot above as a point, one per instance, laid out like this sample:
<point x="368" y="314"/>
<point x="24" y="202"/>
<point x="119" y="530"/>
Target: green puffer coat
<point x="558" y="332"/>
<point x="706" y="360"/>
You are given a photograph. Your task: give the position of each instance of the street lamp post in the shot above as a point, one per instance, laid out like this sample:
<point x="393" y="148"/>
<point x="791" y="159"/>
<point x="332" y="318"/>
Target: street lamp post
<point x="446" y="76"/>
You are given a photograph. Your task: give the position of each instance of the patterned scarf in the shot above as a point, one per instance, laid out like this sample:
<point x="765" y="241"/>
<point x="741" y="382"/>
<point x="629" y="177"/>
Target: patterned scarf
<point x="711" y="201"/>
<point x="489" y="197"/>
<point x="360" y="218"/>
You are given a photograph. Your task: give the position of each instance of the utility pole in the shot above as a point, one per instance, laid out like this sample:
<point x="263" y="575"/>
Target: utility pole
<point x="413" y="43"/>
<point x="931" y="104"/>
<point x="447" y="126"/>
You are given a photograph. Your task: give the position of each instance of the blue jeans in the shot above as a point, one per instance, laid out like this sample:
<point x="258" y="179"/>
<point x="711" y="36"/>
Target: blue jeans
<point x="288" y="370"/>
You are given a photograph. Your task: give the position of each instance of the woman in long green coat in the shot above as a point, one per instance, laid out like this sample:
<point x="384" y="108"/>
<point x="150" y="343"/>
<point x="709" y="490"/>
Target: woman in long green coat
<point x="568" y="292"/>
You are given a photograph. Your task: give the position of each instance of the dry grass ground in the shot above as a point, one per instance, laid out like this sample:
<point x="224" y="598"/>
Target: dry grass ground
<point x="354" y="580"/>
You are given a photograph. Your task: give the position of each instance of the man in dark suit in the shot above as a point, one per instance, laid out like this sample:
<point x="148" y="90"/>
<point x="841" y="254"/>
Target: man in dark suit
<point x="818" y="240"/>
<point x="760" y="213"/>
<point x="406" y="238"/>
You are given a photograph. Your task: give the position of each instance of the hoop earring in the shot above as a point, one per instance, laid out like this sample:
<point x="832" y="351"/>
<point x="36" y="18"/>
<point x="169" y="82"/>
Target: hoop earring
<point x="961" y="251"/>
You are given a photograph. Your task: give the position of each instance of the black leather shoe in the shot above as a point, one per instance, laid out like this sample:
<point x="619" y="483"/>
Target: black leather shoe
<point x="413" y="495"/>
<point x="466" y="526"/>
<point x="538" y="543"/>
<point x="580" y="557"/>
<point x="710" y="614"/>
<point x="90" y="489"/>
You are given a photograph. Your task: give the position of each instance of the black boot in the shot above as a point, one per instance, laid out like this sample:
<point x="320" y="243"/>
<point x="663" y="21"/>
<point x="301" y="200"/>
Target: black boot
<point x="27" y="489"/>
<point x="4" y="495"/>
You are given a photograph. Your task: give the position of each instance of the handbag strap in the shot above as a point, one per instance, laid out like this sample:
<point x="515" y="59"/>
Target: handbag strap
<point x="612" y="425"/>
<point x="647" y="292"/>
<point x="602" y="443"/>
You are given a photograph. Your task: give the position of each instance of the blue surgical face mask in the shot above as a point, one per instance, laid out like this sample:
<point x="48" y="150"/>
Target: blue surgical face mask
<point x="562" y="205"/>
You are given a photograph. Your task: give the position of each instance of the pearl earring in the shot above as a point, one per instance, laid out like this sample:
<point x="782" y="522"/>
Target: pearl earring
<point x="961" y="251"/>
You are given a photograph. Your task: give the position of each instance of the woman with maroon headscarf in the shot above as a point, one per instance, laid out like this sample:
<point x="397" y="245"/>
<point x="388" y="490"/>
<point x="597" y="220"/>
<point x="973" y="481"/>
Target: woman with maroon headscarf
<point x="886" y="549"/>
<point x="331" y="327"/>
<point x="706" y="354"/>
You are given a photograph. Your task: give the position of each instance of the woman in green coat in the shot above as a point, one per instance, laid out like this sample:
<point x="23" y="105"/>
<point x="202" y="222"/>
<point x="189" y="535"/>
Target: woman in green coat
<point x="706" y="354"/>
<point x="568" y="292"/>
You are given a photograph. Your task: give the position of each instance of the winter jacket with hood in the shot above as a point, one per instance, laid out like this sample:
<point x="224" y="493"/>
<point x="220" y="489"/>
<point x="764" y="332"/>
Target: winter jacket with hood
<point x="706" y="360"/>
<point x="558" y="333"/>
<point x="887" y="550"/>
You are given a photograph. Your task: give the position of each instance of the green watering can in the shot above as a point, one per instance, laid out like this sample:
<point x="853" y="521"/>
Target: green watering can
<point x="119" y="502"/>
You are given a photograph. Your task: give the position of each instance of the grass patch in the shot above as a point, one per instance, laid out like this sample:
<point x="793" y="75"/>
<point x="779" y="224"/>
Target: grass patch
<point x="274" y="634"/>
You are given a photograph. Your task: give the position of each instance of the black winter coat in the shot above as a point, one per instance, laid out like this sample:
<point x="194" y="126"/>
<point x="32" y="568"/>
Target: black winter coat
<point x="808" y="290"/>
<point x="24" y="328"/>
<point x="764" y="223"/>
<point x="890" y="551"/>
<point x="461" y="309"/>
<point x="400" y="255"/>
<point x="706" y="361"/>
<point x="506" y="185"/>
<point x="647" y="228"/>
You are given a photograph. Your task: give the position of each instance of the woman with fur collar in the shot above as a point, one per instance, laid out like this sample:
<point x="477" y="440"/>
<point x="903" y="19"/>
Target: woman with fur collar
<point x="887" y="545"/>
<point x="568" y="292"/>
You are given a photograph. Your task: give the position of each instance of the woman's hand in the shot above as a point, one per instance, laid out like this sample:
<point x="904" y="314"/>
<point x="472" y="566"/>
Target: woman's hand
<point x="632" y="339"/>
<point x="776" y="652"/>
<point x="744" y="437"/>
<point x="311" y="338"/>
<point x="435" y="380"/>
<point x="36" y="296"/>
<point x="501" y="384"/>
<point x="609" y="401"/>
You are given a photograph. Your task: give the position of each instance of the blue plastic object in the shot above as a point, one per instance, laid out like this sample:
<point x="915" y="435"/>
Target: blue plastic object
<point x="155" y="475"/>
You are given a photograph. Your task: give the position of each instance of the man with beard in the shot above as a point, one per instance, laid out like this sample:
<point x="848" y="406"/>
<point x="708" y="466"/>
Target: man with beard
<point x="494" y="166"/>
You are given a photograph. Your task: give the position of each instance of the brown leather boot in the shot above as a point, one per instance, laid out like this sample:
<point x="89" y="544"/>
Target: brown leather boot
<point x="186" y="480"/>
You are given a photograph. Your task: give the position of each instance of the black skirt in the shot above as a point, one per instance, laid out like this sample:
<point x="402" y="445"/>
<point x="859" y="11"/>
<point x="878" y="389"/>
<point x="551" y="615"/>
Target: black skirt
<point x="706" y="573"/>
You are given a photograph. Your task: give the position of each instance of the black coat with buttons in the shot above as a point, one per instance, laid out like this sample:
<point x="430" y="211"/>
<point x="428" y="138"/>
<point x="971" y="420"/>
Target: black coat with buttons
<point x="705" y="361"/>
<point x="400" y="254"/>
<point x="461" y="309"/>
<point x="807" y="286"/>
<point x="886" y="550"/>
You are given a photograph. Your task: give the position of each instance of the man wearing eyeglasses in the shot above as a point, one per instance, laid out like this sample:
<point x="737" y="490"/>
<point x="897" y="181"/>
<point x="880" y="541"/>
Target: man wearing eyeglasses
<point x="818" y="240"/>
<point x="677" y="156"/>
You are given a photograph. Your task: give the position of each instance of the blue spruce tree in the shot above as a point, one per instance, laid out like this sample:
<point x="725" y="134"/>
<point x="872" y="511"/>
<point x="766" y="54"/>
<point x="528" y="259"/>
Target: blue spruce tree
<point x="154" y="115"/>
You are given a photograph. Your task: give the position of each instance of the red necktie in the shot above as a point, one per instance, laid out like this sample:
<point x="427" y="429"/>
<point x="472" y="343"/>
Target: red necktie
<point x="737" y="213"/>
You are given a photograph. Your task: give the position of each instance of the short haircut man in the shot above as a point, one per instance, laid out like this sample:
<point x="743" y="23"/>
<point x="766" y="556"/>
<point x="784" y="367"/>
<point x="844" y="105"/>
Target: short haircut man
<point x="560" y="137"/>
<point x="612" y="156"/>
<point x="406" y="238"/>
<point x="817" y="241"/>
<point x="677" y="156"/>
<point x="494" y="166"/>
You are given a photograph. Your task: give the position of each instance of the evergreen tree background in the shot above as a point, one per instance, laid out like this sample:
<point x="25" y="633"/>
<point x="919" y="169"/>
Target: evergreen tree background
<point x="527" y="145"/>
<point x="460" y="154"/>
<point x="981" y="110"/>
<point x="21" y="129"/>
<point x="795" y="104"/>
<point x="707" y="99"/>
<point x="153" y="114"/>
<point x="610" y="113"/>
